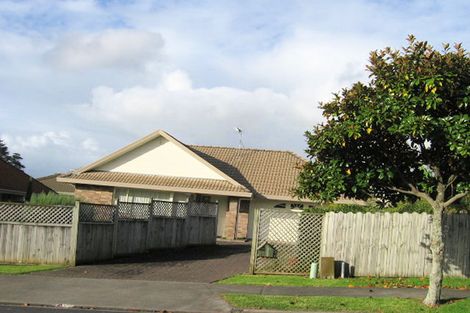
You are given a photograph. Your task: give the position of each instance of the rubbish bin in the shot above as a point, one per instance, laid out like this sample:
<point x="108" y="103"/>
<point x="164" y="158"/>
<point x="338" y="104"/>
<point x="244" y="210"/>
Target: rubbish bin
<point x="313" y="270"/>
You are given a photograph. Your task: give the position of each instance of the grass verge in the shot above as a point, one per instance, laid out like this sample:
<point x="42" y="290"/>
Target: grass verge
<point x="300" y="281"/>
<point x="342" y="304"/>
<point x="15" y="269"/>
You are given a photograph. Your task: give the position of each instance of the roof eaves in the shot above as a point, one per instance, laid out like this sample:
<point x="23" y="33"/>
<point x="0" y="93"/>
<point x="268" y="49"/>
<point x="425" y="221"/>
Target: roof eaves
<point x="284" y="198"/>
<point x="154" y="187"/>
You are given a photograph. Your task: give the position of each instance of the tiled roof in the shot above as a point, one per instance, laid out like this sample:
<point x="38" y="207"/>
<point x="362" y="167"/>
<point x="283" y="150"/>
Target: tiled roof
<point x="270" y="173"/>
<point x="59" y="187"/>
<point x="155" y="182"/>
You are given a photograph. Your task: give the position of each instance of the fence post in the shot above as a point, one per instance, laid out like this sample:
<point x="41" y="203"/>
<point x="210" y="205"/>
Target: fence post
<point x="74" y="233"/>
<point x="148" y="237"/>
<point x="216" y="221"/>
<point x="115" y="229"/>
<point x="254" y="241"/>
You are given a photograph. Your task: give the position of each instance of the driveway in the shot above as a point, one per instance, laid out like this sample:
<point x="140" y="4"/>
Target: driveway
<point x="194" y="264"/>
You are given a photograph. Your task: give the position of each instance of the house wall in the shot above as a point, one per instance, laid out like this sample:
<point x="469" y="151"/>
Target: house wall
<point x="235" y="222"/>
<point x="265" y="204"/>
<point x="242" y="225"/>
<point x="231" y="218"/>
<point x="94" y="194"/>
<point x="161" y="157"/>
<point x="142" y="195"/>
<point x="227" y="221"/>
<point x="223" y="208"/>
<point x="110" y="195"/>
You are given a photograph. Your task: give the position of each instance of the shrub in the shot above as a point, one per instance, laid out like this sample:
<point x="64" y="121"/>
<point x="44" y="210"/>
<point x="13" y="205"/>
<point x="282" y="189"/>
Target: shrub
<point x="51" y="199"/>
<point x="419" y="206"/>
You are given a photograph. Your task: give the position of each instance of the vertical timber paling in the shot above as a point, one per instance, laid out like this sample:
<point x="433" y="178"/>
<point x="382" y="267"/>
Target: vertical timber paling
<point x="114" y="242"/>
<point x="74" y="233"/>
<point x="148" y="237"/>
<point x="254" y="241"/>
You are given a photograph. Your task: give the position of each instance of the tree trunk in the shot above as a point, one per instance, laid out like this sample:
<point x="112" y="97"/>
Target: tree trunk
<point x="437" y="248"/>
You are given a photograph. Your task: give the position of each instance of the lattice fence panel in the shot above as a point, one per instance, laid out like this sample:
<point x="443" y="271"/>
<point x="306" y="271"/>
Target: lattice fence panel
<point x="169" y="209"/>
<point x="292" y="238"/>
<point x="37" y="214"/>
<point x="134" y="211"/>
<point x="202" y="209"/>
<point x="96" y="213"/>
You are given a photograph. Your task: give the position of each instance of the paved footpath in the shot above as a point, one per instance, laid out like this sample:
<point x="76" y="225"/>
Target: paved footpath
<point x="159" y="296"/>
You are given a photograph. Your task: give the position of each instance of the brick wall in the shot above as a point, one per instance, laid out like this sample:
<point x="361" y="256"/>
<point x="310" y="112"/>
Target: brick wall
<point x="231" y="218"/>
<point x="94" y="194"/>
<point x="242" y="225"/>
<point x="235" y="229"/>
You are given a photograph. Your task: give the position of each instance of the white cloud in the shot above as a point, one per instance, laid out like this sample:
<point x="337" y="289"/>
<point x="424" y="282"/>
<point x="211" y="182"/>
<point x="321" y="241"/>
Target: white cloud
<point x="90" y="144"/>
<point x="81" y="6"/>
<point x="177" y="80"/>
<point x="260" y="67"/>
<point x="110" y="48"/>
<point x="37" y="141"/>
<point x="211" y="113"/>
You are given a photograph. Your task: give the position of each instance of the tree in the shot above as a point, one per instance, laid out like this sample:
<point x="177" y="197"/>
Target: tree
<point x="403" y="135"/>
<point x="14" y="159"/>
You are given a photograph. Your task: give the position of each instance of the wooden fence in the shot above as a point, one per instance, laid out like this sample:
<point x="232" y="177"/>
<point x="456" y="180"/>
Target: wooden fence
<point x="394" y="244"/>
<point x="370" y="244"/>
<point x="35" y="234"/>
<point x="130" y="228"/>
<point x="90" y="232"/>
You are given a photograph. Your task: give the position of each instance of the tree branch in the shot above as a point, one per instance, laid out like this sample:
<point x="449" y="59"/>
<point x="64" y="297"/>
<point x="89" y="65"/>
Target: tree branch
<point x="451" y="180"/>
<point x="455" y="198"/>
<point x="414" y="192"/>
<point x="408" y="192"/>
<point x="437" y="172"/>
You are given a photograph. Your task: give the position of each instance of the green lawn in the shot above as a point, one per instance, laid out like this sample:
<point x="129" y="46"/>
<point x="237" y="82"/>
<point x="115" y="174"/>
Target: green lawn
<point x="14" y="269"/>
<point x="342" y="304"/>
<point x="281" y="280"/>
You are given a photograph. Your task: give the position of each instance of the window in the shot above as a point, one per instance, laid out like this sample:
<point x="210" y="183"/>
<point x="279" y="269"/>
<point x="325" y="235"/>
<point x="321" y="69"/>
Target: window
<point x="298" y="206"/>
<point x="280" y="206"/>
<point x="244" y="206"/>
<point x="141" y="196"/>
<point x="202" y="198"/>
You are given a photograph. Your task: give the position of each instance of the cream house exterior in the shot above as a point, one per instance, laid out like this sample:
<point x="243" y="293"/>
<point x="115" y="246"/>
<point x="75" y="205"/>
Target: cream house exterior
<point x="159" y="167"/>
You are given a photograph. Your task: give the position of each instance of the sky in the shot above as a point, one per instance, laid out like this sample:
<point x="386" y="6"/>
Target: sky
<point x="80" y="79"/>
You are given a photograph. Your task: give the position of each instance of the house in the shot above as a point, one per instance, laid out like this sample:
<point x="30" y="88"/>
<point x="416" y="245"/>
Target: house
<point x="161" y="167"/>
<point x="16" y="185"/>
<point x="59" y="187"/>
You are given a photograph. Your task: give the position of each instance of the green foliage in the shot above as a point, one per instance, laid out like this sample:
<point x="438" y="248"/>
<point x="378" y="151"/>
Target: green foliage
<point x="404" y="134"/>
<point x="345" y="208"/>
<point x="418" y="206"/>
<point x="342" y="304"/>
<point x="14" y="159"/>
<point x="377" y="282"/>
<point x="15" y="269"/>
<point x="401" y="207"/>
<point x="51" y="199"/>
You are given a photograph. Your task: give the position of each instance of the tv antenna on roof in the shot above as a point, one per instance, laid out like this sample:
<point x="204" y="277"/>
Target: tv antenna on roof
<point x="240" y="132"/>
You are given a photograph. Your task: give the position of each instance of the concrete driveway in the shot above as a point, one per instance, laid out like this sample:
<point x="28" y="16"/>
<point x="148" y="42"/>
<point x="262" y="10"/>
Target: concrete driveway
<point x="193" y="264"/>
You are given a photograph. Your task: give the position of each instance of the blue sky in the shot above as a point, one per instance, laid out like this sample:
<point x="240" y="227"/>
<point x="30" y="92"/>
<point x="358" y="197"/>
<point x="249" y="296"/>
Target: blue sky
<point x="80" y="79"/>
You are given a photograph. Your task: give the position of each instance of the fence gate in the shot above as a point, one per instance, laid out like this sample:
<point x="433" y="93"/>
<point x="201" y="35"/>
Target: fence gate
<point x="285" y="242"/>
